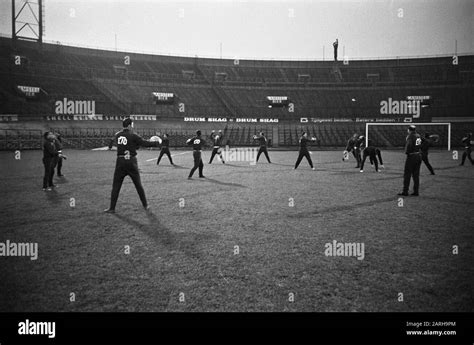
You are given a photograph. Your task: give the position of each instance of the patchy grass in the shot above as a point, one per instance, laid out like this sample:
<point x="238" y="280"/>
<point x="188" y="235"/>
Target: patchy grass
<point x="190" y="249"/>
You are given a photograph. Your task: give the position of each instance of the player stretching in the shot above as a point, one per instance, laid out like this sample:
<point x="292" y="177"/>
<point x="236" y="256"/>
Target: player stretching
<point x="468" y="142"/>
<point x="197" y="143"/>
<point x="379" y="155"/>
<point x="353" y="145"/>
<point x="372" y="152"/>
<point x="304" y="150"/>
<point x="127" y="143"/>
<point x="426" y="141"/>
<point x="217" y="141"/>
<point x="165" y="149"/>
<point x="263" y="146"/>
<point x="413" y="161"/>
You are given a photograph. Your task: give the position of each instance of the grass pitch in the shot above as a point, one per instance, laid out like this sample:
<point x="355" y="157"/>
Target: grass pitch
<point x="233" y="241"/>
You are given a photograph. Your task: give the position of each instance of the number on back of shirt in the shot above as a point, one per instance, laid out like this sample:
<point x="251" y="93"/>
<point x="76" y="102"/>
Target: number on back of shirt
<point x="418" y="142"/>
<point x="122" y="140"/>
<point x="196" y="141"/>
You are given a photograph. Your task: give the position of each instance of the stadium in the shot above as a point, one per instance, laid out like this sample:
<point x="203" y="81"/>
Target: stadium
<point x="250" y="236"/>
<point x="333" y="101"/>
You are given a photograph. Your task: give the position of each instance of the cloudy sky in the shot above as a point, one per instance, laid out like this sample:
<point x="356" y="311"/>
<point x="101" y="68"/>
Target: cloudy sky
<point x="263" y="29"/>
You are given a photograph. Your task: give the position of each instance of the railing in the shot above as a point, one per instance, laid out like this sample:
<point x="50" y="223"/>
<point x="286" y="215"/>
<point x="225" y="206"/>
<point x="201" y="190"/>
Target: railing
<point x="20" y="139"/>
<point x="241" y="58"/>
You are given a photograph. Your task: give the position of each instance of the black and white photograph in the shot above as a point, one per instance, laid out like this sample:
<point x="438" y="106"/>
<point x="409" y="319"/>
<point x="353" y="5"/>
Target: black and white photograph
<point x="233" y="161"/>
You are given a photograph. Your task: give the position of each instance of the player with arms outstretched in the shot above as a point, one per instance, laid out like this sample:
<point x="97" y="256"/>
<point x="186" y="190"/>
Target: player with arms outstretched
<point x="127" y="144"/>
<point x="197" y="143"/>
<point x="165" y="148"/>
<point x="427" y="141"/>
<point x="262" y="140"/>
<point x="304" y="150"/>
<point x="217" y="143"/>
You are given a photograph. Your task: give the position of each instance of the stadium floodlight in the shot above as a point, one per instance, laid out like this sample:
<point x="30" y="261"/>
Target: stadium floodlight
<point x="406" y="124"/>
<point x="29" y="16"/>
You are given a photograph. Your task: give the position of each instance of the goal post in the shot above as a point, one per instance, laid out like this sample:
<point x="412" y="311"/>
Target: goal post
<point x="406" y="124"/>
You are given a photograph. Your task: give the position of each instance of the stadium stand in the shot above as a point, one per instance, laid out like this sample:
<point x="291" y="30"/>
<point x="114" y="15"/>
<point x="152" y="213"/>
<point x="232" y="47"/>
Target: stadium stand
<point x="335" y="98"/>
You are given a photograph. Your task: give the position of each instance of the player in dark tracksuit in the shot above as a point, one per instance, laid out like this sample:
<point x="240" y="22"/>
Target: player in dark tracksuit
<point x="353" y="145"/>
<point x="371" y="152"/>
<point x="50" y="154"/>
<point x="426" y="142"/>
<point x="262" y="140"/>
<point x="197" y="143"/>
<point x="165" y="149"/>
<point x="217" y="142"/>
<point x="413" y="161"/>
<point x="59" y="160"/>
<point x="127" y="143"/>
<point x="304" y="150"/>
<point x="467" y="141"/>
<point x="379" y="156"/>
<point x="360" y="144"/>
